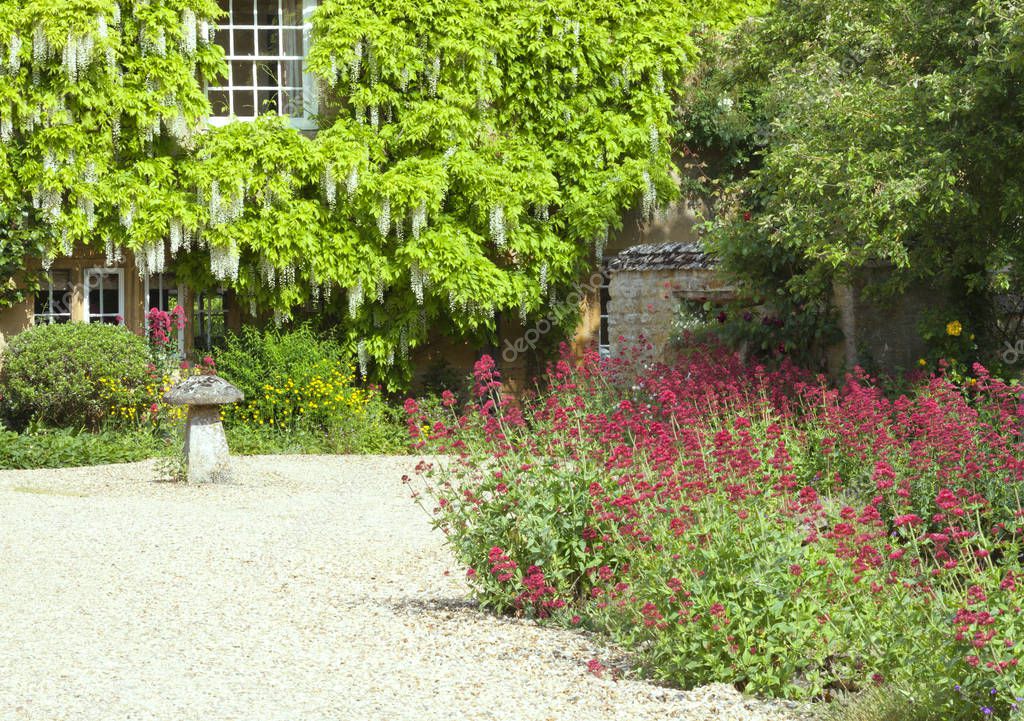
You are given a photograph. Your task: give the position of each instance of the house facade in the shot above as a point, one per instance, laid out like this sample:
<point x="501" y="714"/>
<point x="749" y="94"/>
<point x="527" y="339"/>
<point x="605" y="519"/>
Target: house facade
<point x="89" y="287"/>
<point x="265" y="43"/>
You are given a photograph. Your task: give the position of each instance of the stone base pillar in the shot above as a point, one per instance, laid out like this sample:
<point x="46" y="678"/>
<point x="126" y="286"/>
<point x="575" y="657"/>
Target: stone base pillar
<point x="206" y="446"/>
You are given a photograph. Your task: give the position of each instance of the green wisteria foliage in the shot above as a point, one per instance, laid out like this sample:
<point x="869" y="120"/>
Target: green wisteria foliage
<point x="97" y="103"/>
<point x="473" y="155"/>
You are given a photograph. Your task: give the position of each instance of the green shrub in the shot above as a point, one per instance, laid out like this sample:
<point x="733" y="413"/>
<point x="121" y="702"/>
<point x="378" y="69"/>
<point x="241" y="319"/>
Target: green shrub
<point x="301" y="386"/>
<point x="248" y="440"/>
<point x="68" y="448"/>
<point x="60" y="375"/>
<point x="289" y="379"/>
<point x="919" y="700"/>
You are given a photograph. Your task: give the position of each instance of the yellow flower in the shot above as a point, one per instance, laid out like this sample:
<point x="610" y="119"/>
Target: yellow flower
<point x="922" y="362"/>
<point x="954" y="328"/>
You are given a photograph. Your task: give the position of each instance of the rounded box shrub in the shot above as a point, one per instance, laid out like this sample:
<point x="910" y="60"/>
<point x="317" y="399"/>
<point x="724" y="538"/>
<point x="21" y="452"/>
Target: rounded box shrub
<point x="60" y="375"/>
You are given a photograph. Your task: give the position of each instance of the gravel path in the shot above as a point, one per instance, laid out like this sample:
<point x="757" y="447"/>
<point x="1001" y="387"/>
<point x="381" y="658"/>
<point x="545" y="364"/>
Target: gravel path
<point x="312" y="588"/>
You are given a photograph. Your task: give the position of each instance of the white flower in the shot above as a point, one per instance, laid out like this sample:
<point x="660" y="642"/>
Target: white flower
<point x="189" y="31"/>
<point x="497" y="223"/>
<point x="384" y="220"/>
<point x="364" y="357"/>
<point x="419" y="219"/>
<point x="13" y="58"/>
<point x="355" y="299"/>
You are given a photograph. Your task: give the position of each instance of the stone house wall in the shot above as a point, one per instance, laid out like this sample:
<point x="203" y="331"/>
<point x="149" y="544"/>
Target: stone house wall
<point x="881" y="333"/>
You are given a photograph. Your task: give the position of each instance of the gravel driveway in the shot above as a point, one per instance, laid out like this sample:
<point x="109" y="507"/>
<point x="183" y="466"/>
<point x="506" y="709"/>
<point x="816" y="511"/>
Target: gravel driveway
<point x="312" y="588"/>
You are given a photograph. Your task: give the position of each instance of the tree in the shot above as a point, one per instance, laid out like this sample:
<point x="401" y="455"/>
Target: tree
<point x="853" y="134"/>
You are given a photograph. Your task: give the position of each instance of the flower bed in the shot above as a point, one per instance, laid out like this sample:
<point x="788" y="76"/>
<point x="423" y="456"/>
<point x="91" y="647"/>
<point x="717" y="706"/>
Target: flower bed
<point x="732" y="523"/>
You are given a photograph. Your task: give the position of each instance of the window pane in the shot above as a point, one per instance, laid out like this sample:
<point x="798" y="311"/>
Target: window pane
<point x="266" y="12"/>
<point x="241" y="73"/>
<point x="291" y="42"/>
<point x="245" y="44"/>
<point x="291" y="73"/>
<point x="42" y="303"/>
<point x="245" y="105"/>
<point x="242" y="12"/>
<point x="104" y="296"/>
<point x="110" y="296"/>
<point x="163" y="292"/>
<point x="52" y="303"/>
<point x="220" y="103"/>
<point x="269" y="101"/>
<point x="292" y="12"/>
<point x="266" y="74"/>
<point x="223" y="5"/>
<point x="269" y="43"/>
<point x="223" y="39"/>
<point x="292" y="103"/>
<point x="209" y="326"/>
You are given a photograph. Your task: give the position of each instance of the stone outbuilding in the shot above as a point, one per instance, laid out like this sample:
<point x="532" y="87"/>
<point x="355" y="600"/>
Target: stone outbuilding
<point x="647" y="287"/>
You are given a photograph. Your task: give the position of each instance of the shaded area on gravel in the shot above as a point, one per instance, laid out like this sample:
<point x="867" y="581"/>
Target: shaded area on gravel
<point x="312" y="588"/>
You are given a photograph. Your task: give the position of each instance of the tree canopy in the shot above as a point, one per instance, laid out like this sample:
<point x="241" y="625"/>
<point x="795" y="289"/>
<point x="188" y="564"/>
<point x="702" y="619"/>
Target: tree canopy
<point x="839" y="135"/>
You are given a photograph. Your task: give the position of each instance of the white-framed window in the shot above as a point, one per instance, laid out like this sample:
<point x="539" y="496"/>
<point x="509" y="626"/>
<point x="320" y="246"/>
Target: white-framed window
<point x="265" y="42"/>
<point x="53" y="299"/>
<point x="210" y="319"/>
<point x="162" y="292"/>
<point x="104" y="295"/>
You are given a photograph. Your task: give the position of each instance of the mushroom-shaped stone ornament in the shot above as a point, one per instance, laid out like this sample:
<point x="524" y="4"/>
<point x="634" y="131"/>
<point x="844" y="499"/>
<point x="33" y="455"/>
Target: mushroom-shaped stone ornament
<point x="206" y="447"/>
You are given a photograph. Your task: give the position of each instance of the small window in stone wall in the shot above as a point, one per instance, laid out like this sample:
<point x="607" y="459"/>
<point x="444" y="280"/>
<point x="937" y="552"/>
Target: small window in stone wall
<point x="697" y="315"/>
<point x="104" y="296"/>
<point x="53" y="300"/>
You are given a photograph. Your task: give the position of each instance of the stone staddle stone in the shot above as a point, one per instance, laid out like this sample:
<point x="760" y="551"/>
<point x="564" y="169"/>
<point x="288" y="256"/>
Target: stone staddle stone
<point x="206" y="446"/>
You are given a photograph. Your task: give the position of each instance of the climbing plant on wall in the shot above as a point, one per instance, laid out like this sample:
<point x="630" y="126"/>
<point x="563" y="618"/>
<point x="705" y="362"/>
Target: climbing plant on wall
<point x="98" y="100"/>
<point x="472" y="156"/>
<point x="481" y="152"/>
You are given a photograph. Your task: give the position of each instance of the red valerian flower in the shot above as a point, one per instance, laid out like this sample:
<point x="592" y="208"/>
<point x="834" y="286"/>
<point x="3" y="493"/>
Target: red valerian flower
<point x="910" y="519"/>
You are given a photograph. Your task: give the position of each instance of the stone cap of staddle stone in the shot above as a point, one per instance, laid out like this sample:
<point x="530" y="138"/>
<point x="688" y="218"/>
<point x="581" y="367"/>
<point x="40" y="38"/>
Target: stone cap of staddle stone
<point x="203" y="391"/>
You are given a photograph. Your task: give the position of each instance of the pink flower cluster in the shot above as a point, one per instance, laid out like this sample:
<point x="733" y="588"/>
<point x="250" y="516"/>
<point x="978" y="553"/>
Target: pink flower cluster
<point x="899" y="502"/>
<point x="160" y="323"/>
